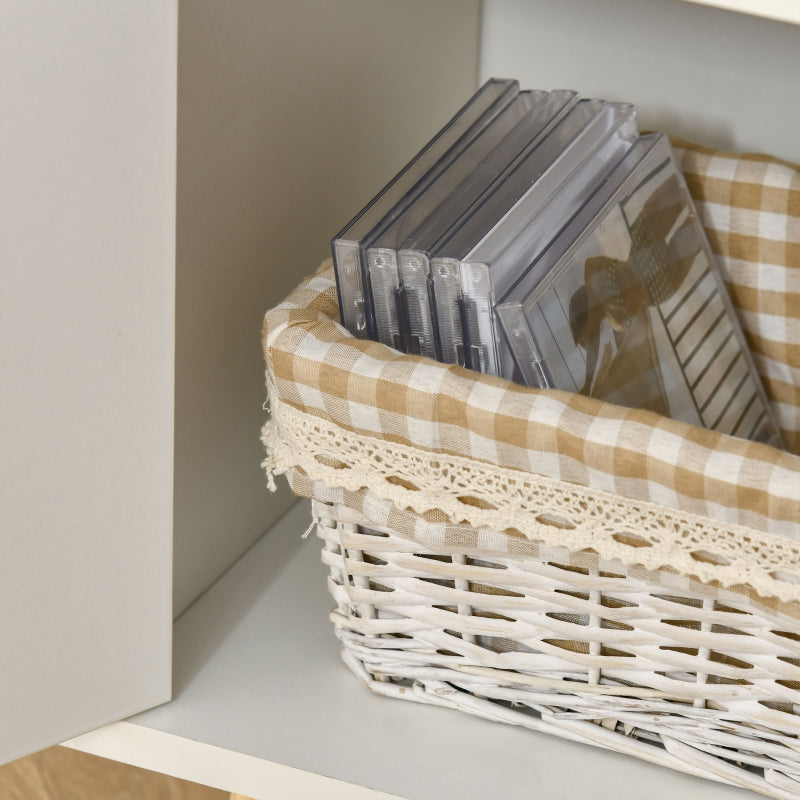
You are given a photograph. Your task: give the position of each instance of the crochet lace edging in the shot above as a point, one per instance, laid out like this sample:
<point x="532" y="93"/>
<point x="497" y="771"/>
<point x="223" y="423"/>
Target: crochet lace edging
<point x="544" y="509"/>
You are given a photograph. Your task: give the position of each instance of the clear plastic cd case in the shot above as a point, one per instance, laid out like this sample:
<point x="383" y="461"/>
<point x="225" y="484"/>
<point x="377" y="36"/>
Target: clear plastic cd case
<point x="348" y="256"/>
<point x="492" y="252"/>
<point x="635" y="313"/>
<point x="540" y="238"/>
<point x="395" y="283"/>
<point x="528" y="180"/>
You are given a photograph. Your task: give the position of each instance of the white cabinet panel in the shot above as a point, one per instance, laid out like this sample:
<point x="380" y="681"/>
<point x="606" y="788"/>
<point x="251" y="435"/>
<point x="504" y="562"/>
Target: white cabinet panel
<point x="783" y="10"/>
<point x="87" y="166"/>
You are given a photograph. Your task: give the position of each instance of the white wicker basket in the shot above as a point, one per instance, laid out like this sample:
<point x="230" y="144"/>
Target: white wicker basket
<point x="702" y="680"/>
<point x="553" y="562"/>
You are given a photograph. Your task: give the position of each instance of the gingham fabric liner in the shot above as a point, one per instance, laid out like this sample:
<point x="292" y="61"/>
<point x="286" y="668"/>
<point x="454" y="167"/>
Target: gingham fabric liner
<point x="318" y="369"/>
<point x="750" y="208"/>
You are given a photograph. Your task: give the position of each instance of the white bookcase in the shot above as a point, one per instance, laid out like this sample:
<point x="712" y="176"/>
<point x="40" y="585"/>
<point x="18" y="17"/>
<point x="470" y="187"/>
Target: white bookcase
<point x="133" y="396"/>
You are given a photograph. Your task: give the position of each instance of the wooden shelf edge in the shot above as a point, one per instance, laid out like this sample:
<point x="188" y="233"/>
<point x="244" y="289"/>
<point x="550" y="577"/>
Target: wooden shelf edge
<point x="147" y="748"/>
<point x="780" y="10"/>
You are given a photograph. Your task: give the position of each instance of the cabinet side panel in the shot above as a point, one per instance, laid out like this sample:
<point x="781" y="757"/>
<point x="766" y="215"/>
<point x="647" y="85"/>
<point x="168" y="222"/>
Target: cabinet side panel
<point x="86" y="398"/>
<point x="291" y="116"/>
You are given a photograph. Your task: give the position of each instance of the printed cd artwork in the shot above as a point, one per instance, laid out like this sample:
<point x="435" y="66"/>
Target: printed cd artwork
<point x="644" y="307"/>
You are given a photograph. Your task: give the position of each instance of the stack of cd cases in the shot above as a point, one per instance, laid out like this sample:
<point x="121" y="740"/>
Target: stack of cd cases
<point x="540" y="238"/>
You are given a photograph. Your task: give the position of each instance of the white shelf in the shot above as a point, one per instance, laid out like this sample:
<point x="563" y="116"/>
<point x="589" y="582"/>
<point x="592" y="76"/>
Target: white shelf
<point x="264" y="707"/>
<point x="782" y="10"/>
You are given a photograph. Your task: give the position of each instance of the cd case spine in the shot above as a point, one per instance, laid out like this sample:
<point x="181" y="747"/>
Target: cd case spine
<point x="416" y="322"/>
<point x="445" y="284"/>
<point x="350" y="286"/>
<point x="384" y="285"/>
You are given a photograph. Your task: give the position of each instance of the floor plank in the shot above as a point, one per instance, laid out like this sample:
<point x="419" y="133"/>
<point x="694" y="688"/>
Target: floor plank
<point x="63" y="774"/>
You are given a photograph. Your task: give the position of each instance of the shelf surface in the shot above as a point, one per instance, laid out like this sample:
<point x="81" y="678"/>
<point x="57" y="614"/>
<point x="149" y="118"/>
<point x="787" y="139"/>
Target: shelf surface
<point x="264" y="706"/>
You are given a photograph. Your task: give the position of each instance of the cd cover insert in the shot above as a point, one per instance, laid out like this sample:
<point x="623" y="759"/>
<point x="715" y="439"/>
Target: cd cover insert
<point x="636" y="314"/>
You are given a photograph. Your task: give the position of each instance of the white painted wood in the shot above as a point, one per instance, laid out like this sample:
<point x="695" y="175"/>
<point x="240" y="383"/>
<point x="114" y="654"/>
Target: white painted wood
<point x="290" y="117"/>
<point x="783" y="10"/>
<point x="231" y="771"/>
<point x="258" y="673"/>
<point x="87" y="164"/>
<point x="721" y="79"/>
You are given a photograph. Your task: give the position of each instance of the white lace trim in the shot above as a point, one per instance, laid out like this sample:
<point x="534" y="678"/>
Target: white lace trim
<point x="541" y="508"/>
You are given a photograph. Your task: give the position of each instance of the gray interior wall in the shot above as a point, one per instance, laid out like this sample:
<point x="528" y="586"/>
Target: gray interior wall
<point x="291" y="115"/>
<point x="720" y="78"/>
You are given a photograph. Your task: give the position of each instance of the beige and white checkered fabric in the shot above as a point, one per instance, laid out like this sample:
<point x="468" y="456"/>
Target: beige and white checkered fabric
<point x="751" y="206"/>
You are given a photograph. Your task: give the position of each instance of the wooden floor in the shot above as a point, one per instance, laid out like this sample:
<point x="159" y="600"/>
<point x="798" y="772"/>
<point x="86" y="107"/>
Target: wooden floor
<point x="63" y="774"/>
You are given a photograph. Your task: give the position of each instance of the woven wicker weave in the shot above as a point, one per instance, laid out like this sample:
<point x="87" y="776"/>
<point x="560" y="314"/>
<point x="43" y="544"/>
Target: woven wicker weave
<point x="574" y="647"/>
